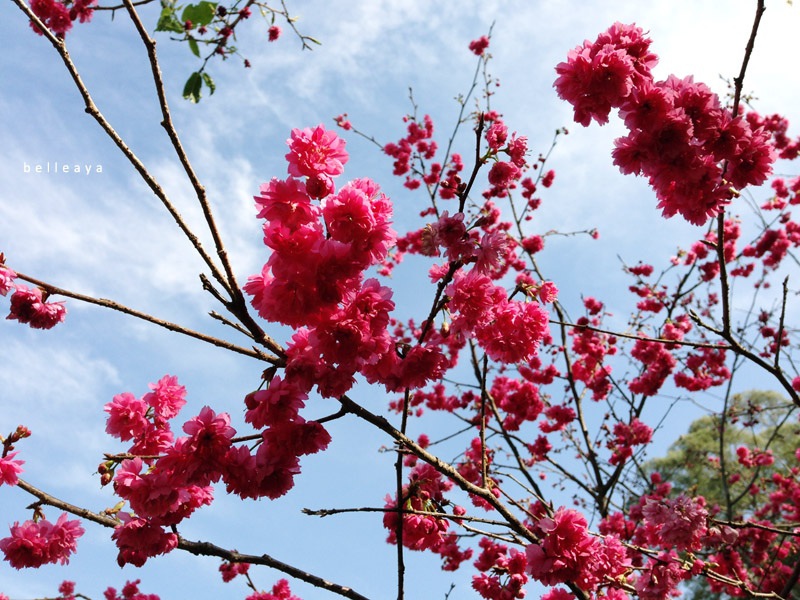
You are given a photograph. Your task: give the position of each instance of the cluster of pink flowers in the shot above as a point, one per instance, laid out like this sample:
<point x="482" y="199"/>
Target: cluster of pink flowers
<point x="694" y="153"/>
<point x="591" y="348"/>
<point x="704" y="368"/>
<point x="11" y="467"/>
<point x="424" y="494"/>
<point x="145" y="420"/>
<point x="7" y="277"/>
<point x="679" y="522"/>
<point x="502" y="571"/>
<point x="660" y="577"/>
<point x="130" y="591"/>
<point x="424" y="528"/>
<point x="40" y="542"/>
<point x="58" y="16"/>
<point x="418" y="142"/>
<point x="657" y="364"/>
<point x="29" y="305"/>
<point x="626" y="437"/>
<point x="280" y="591"/>
<point x="230" y="571"/>
<point x="599" y="76"/>
<point x="567" y="552"/>
<point x="471" y="468"/>
<point x="479" y="46"/>
<point x="180" y="472"/>
<point x="504" y="174"/>
<point x="519" y="399"/>
<point x="314" y="277"/>
<point x="508" y="330"/>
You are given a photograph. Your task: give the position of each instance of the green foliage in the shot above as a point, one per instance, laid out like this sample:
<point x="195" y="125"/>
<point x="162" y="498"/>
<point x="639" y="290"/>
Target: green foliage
<point x="704" y="460"/>
<point x="209" y="83"/>
<point x="193" y="88"/>
<point x="194" y="47"/>
<point x="168" y="20"/>
<point x="199" y="14"/>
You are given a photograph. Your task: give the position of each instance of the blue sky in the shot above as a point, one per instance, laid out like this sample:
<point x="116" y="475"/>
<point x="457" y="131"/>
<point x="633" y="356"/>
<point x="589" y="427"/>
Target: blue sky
<point x="104" y="234"/>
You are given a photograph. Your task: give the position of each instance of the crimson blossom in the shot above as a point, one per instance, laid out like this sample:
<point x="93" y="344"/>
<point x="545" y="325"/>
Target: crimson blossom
<point x="694" y="153"/>
<point x="58" y="15"/>
<point x="10" y="469"/>
<point x="30" y="306"/>
<point x="37" y="543"/>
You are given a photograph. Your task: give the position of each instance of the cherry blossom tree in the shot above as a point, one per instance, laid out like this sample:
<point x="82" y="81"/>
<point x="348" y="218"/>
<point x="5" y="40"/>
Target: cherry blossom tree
<point x="518" y="420"/>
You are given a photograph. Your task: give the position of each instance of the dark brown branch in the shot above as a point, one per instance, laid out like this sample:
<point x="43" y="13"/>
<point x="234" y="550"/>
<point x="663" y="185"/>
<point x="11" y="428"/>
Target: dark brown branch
<point x="237" y="306"/>
<point x="208" y="549"/>
<point x="630" y="336"/>
<point x="94" y="112"/>
<point x="738" y="84"/>
<point x="251" y="352"/>
<point x="172" y="133"/>
<point x="199" y="548"/>
<point x="738" y="81"/>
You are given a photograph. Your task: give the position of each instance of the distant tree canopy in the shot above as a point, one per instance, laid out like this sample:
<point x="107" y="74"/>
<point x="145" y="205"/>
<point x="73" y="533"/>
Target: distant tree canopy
<point x="720" y="459"/>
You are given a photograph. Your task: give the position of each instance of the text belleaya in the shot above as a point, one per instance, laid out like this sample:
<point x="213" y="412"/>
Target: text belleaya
<point x="56" y="167"/>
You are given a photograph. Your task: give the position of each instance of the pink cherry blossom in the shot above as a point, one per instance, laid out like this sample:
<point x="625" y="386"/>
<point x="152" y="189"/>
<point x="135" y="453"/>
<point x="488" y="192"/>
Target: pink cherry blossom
<point x="514" y="332"/>
<point x="626" y="436"/>
<point x="680" y="522"/>
<point x="424" y="493"/>
<point x="130" y="591"/>
<point x="82" y="10"/>
<point x="280" y="591"/>
<point x="29" y="306"/>
<point x="315" y="151"/>
<point x="7" y="277"/>
<point x="36" y="543"/>
<point x="138" y="539"/>
<point x="496" y="135"/>
<point x="127" y="416"/>
<point x="478" y="47"/>
<point x="10" y="469"/>
<point x="230" y="570"/>
<point x="558" y="594"/>
<point x="287" y="202"/>
<point x="53" y="14"/>
<point x="167" y="397"/>
<point x="660" y="578"/>
<point x="280" y="402"/>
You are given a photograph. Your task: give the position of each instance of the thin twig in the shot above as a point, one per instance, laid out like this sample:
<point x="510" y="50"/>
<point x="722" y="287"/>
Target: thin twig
<point x="199" y="548"/>
<point x="92" y="109"/>
<point x="52" y="289"/>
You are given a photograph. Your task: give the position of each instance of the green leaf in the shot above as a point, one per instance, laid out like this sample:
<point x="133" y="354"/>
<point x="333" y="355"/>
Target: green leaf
<point x="212" y="87"/>
<point x="193" y="47"/>
<point x="193" y="87"/>
<point x="168" y="21"/>
<point x="200" y="14"/>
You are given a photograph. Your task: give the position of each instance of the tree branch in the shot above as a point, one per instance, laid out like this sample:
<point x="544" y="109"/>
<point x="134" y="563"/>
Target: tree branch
<point x="251" y="352"/>
<point x="199" y="548"/>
